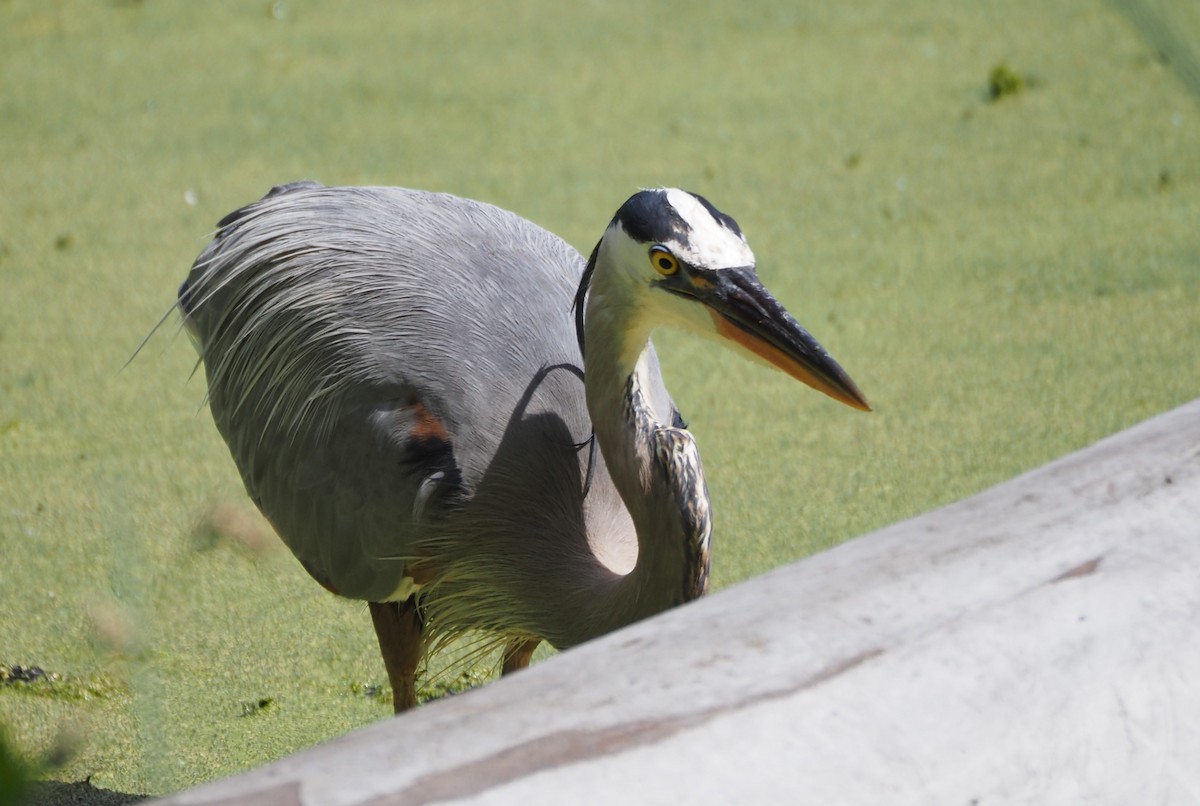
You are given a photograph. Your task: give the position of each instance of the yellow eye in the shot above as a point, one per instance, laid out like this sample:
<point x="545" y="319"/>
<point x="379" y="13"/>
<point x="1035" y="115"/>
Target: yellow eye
<point x="663" y="261"/>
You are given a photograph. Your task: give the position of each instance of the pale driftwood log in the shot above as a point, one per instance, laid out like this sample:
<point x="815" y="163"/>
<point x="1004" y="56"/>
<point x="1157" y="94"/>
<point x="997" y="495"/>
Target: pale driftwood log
<point x="1038" y="643"/>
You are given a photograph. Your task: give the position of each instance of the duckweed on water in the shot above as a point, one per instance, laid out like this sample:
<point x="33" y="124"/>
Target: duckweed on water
<point x="38" y="682"/>
<point x="1004" y="81"/>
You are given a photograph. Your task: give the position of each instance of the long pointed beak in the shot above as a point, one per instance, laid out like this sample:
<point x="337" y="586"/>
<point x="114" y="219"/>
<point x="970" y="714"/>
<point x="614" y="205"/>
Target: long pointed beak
<point x="745" y="312"/>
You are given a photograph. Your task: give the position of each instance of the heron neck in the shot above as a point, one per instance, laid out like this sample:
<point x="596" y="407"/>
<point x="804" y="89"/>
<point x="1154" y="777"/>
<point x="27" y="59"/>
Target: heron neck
<point x="629" y="405"/>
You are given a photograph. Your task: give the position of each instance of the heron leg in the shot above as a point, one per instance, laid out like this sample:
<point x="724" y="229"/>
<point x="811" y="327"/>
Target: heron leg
<point x="517" y="654"/>
<point x="398" y="625"/>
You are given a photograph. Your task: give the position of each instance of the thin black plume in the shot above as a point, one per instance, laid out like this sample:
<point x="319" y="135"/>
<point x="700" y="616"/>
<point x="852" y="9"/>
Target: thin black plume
<point x="581" y="296"/>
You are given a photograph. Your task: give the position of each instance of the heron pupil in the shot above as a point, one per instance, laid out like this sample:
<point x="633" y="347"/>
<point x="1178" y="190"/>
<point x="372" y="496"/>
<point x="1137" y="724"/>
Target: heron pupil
<point x="664" y="262"/>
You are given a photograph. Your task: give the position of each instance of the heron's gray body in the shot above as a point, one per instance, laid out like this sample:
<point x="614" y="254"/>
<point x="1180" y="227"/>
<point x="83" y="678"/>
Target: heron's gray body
<point x="350" y="335"/>
<point x="400" y="379"/>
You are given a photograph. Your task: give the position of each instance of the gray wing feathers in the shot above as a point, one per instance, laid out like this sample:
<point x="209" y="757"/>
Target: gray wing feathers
<point x="338" y="325"/>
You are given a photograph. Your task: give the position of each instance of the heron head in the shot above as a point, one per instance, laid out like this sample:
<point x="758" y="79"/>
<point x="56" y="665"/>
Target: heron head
<point x="676" y="259"/>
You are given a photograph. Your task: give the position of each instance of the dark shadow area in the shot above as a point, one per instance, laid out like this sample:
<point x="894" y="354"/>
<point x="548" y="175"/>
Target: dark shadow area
<point x="59" y="793"/>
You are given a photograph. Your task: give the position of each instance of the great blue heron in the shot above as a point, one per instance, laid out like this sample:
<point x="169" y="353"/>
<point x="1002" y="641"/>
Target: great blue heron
<point x="400" y="379"/>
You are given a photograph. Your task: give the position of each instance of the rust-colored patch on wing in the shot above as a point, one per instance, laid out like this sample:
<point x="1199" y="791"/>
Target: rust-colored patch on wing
<point x="426" y="425"/>
<point x="421" y="571"/>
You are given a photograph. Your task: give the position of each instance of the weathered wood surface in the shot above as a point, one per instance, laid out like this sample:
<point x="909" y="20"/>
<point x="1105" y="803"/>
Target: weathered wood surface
<point x="1038" y="643"/>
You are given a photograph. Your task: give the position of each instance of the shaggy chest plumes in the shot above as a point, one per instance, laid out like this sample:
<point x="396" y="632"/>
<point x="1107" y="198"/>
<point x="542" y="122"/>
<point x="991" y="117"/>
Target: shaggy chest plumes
<point x="676" y="458"/>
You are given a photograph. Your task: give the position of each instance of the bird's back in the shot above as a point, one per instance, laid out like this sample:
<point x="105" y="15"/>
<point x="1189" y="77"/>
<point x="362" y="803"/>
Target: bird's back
<point x="380" y="359"/>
